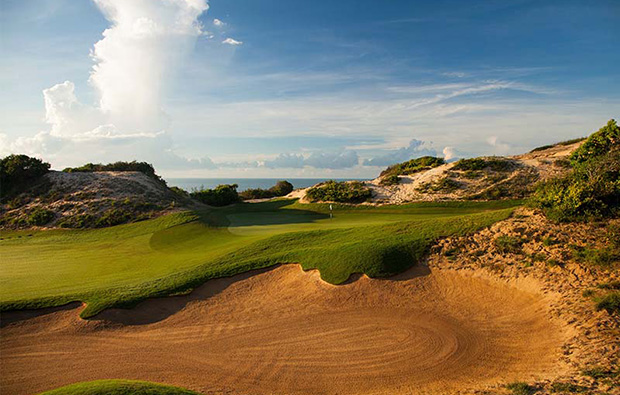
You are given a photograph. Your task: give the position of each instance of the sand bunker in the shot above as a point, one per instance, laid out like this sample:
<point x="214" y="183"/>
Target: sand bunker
<point x="286" y="331"/>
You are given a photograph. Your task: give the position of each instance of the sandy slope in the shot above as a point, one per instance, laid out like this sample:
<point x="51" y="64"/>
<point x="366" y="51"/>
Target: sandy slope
<point x="286" y="331"/>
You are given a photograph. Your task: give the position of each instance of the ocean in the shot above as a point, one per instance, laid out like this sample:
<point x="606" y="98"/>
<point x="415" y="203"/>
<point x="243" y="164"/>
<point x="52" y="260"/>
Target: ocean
<point x="245" y="183"/>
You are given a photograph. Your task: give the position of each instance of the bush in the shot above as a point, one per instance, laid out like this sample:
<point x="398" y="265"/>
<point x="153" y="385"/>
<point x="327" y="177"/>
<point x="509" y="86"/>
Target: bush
<point x="443" y="185"/>
<point x="598" y="144"/>
<point x="508" y="244"/>
<point x="222" y="195"/>
<point x="520" y="388"/>
<point x="40" y="216"/>
<point x="603" y="257"/>
<point x="390" y="179"/>
<point x="113" y="217"/>
<point x="142" y="167"/>
<point x="342" y="192"/>
<point x="590" y="191"/>
<point x="567" y="387"/>
<point x="18" y="171"/>
<point x="281" y="188"/>
<point x="413" y="166"/>
<point x="179" y="191"/>
<point x="610" y="303"/>
<point x="476" y="164"/>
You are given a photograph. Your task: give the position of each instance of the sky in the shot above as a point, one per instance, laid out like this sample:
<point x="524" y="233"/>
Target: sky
<point x="291" y="88"/>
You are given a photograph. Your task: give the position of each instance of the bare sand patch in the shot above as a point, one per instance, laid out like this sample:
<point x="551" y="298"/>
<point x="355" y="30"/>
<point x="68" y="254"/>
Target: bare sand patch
<point x="286" y="331"/>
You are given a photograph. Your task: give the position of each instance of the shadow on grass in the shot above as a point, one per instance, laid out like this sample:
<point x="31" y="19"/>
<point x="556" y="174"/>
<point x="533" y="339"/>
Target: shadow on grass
<point x="265" y="213"/>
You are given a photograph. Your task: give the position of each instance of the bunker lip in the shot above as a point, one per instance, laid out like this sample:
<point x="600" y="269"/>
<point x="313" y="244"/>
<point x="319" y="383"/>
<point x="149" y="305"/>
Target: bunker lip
<point x="283" y="330"/>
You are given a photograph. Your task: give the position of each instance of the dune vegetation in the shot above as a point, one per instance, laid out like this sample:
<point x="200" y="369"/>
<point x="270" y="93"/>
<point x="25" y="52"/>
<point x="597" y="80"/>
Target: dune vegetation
<point x="122" y="265"/>
<point x="119" y="387"/>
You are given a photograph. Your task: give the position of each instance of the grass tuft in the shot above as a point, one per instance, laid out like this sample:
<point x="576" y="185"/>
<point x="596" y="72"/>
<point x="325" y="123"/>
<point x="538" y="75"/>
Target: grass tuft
<point x="119" y="387"/>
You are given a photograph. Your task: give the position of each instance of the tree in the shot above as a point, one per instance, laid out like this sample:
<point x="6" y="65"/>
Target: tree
<point x="17" y="171"/>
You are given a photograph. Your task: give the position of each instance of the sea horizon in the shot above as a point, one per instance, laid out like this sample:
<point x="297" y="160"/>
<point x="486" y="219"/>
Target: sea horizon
<point x="190" y="183"/>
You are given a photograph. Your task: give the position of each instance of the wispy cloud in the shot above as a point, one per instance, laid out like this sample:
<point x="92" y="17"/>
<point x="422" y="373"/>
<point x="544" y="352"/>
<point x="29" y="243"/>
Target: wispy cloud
<point x="232" y="41"/>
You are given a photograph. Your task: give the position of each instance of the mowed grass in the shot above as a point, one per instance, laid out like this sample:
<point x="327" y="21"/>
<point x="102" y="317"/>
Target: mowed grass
<point x="122" y="265"/>
<point x="119" y="387"/>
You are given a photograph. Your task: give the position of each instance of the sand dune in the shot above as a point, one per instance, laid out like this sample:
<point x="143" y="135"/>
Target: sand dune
<point x="286" y="331"/>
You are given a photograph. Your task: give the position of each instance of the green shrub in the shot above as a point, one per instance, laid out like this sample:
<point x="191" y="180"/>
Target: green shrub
<point x="609" y="302"/>
<point x="603" y="257"/>
<point x="281" y="188"/>
<point x="613" y="235"/>
<point x="598" y="144"/>
<point x="179" y="191"/>
<point x="115" y="216"/>
<point x="40" y="216"/>
<point x="341" y="192"/>
<point x="443" y="185"/>
<point x="390" y="179"/>
<point x="520" y="388"/>
<point x="256" y="193"/>
<point x="549" y="241"/>
<point x="609" y="285"/>
<point x="567" y="387"/>
<point x="598" y="372"/>
<point x="554" y="263"/>
<point x="77" y="221"/>
<point x="413" y="166"/>
<point x="222" y="195"/>
<point x="590" y="191"/>
<point x="142" y="167"/>
<point x="18" y="172"/>
<point x="477" y="164"/>
<point x="508" y="244"/>
<point x="587" y="293"/>
<point x="542" y="148"/>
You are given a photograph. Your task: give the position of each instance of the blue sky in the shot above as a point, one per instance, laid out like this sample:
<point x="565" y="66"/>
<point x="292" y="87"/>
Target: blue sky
<point x="304" y="88"/>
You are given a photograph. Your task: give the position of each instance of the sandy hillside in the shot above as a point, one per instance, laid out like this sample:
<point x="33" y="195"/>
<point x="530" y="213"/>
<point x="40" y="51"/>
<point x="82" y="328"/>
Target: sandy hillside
<point x="71" y="196"/>
<point x="516" y="182"/>
<point x="525" y="170"/>
<point x="286" y="331"/>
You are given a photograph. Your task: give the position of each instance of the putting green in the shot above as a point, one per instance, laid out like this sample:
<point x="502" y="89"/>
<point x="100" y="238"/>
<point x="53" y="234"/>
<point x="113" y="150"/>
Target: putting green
<point x="122" y="265"/>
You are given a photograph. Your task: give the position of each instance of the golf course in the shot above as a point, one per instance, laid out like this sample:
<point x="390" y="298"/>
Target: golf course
<point x="222" y="300"/>
<point x="172" y="254"/>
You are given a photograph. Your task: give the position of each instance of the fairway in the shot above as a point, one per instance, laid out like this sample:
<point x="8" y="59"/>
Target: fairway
<point x="173" y="254"/>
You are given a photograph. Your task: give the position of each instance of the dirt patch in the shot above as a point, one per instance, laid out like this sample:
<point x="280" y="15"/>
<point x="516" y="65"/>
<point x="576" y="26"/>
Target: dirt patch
<point x="286" y="331"/>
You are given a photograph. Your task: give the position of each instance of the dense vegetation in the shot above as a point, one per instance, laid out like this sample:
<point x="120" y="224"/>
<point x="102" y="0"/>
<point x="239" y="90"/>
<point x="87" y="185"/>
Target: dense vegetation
<point x="390" y="179"/>
<point x="17" y="172"/>
<point x="282" y="188"/>
<point x="180" y="251"/>
<point x="492" y="163"/>
<point x="341" y="192"/>
<point x="592" y="189"/>
<point x="222" y="195"/>
<point x="142" y="167"/>
<point x="412" y="166"/>
<point x="119" y="387"/>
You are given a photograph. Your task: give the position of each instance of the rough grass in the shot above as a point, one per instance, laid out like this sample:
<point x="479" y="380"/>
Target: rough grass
<point x="119" y="387"/>
<point x="122" y="265"/>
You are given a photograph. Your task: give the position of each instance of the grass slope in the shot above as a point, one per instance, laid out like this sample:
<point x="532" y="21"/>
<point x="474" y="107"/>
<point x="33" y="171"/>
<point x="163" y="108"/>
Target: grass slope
<point x="123" y="265"/>
<point x="119" y="387"/>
